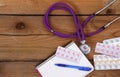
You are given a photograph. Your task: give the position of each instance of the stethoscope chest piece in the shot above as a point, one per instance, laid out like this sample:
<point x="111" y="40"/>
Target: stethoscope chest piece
<point x="85" y="48"/>
<point x="79" y="27"/>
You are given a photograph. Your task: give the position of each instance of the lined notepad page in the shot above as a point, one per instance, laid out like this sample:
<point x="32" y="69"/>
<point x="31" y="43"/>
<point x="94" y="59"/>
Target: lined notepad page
<point x="48" y="69"/>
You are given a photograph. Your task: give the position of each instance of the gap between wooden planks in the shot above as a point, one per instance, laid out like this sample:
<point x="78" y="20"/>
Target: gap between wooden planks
<point x="38" y="44"/>
<point x="20" y="54"/>
<point x="40" y="6"/>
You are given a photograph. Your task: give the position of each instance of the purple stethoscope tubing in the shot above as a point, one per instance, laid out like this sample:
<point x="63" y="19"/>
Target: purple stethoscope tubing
<point x="79" y="27"/>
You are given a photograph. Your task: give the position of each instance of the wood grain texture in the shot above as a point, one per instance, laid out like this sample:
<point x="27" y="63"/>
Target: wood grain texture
<point x="27" y="69"/>
<point x="23" y="46"/>
<point x="40" y="6"/>
<point x="18" y="69"/>
<point x="25" y="52"/>
<point x="39" y="43"/>
<point x="33" y="48"/>
<point x="34" y="25"/>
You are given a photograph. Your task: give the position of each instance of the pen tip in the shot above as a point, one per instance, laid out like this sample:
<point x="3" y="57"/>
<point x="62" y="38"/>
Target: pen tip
<point x="63" y="65"/>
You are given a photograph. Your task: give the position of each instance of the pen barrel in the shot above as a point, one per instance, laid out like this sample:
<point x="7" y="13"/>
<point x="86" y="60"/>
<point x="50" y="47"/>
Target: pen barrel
<point x="74" y="67"/>
<point x="79" y="67"/>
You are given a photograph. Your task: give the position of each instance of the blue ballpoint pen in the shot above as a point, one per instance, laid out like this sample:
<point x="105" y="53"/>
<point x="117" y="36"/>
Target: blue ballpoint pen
<point x="73" y="66"/>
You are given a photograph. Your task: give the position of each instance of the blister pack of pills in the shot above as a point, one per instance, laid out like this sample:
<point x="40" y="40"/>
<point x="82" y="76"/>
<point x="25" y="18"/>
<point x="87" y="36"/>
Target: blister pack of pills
<point x="103" y="62"/>
<point x="107" y="50"/>
<point x="113" y="41"/>
<point x="68" y="54"/>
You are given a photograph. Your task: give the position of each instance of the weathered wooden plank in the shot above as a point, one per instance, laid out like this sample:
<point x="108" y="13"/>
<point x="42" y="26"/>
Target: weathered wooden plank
<point x="32" y="41"/>
<point x="20" y="54"/>
<point x="25" y="54"/>
<point x="32" y="25"/>
<point x="107" y="73"/>
<point x="29" y="47"/>
<point x="39" y="47"/>
<point x="27" y="69"/>
<point x="18" y="69"/>
<point x="36" y="6"/>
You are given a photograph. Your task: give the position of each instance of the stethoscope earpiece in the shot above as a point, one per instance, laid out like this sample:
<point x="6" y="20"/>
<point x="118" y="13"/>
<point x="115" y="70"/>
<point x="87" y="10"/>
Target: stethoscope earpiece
<point x="85" y="48"/>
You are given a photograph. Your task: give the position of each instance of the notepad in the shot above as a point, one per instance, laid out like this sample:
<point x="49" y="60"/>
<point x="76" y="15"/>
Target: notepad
<point x="48" y="68"/>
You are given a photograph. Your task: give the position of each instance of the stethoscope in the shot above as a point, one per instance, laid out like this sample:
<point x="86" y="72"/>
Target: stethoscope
<point x="85" y="48"/>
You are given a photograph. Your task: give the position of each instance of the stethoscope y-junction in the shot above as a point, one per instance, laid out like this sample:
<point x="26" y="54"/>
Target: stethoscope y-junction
<point x="85" y="48"/>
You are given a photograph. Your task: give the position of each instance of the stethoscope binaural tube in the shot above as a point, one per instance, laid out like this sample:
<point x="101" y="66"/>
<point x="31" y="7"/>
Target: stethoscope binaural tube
<point x="79" y="27"/>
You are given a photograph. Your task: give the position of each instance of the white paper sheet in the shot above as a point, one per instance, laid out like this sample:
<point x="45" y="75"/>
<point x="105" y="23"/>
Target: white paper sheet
<point x="48" y="68"/>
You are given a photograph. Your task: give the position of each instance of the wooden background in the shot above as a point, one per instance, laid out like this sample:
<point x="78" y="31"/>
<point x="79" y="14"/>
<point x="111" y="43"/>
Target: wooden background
<point x="25" y="43"/>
